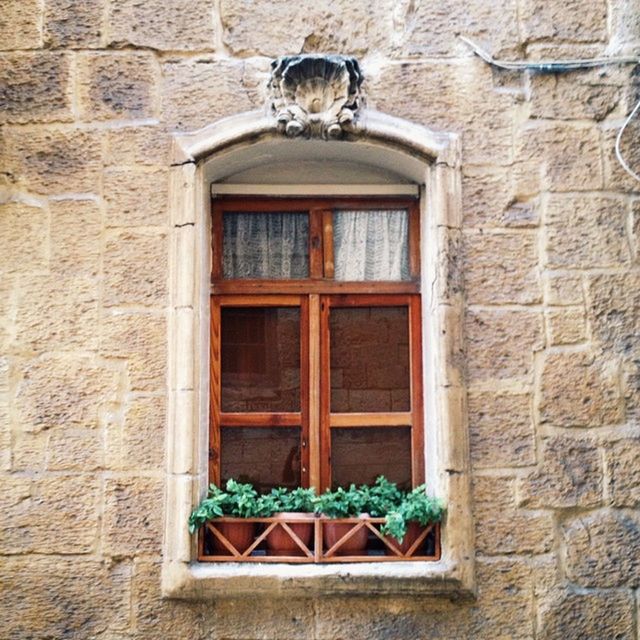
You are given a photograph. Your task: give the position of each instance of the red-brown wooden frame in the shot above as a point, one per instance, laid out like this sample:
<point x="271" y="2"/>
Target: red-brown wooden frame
<point x="315" y="296"/>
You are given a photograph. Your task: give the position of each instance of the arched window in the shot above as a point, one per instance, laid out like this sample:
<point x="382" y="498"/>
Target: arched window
<point x="266" y="352"/>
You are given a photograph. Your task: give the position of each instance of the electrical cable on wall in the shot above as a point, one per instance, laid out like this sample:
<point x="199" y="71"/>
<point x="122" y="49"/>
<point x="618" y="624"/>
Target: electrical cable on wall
<point x="562" y="66"/>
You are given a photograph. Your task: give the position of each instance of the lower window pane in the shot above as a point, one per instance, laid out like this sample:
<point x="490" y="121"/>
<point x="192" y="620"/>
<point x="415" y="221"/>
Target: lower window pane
<point x="265" y="456"/>
<point x="362" y="454"/>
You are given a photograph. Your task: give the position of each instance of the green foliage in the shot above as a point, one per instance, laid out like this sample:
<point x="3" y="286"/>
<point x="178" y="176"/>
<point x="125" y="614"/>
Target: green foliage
<point x="381" y="497"/>
<point x="297" y="500"/>
<point x="342" y="503"/>
<point x="416" y="506"/>
<point x="237" y="500"/>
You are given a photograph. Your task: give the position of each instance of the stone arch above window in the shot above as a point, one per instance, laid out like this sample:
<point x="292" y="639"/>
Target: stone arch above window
<point x="373" y="153"/>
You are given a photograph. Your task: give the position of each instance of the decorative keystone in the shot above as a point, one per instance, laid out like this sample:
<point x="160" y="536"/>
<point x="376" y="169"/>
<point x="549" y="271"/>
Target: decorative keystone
<point x="315" y="95"/>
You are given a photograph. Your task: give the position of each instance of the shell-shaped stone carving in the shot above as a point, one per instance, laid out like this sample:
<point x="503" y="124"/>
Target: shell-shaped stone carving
<point x="315" y="95"/>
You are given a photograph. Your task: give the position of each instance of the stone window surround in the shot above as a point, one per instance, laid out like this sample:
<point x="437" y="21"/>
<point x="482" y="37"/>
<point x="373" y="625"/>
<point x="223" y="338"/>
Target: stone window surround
<point x="432" y="160"/>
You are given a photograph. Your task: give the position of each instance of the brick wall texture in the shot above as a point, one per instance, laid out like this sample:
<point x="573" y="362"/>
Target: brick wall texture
<point x="90" y="93"/>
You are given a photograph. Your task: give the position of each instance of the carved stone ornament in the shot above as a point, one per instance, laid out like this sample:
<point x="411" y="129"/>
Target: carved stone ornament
<point x="315" y="95"/>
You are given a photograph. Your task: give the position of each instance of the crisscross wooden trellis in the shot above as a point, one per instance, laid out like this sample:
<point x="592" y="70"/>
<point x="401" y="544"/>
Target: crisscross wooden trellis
<point x="316" y="551"/>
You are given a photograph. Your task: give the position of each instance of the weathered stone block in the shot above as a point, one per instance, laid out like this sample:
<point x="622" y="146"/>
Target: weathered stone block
<point x="148" y="145"/>
<point x="513" y="532"/>
<point x="501" y="268"/>
<point x="501" y="343"/>
<point x="635" y="229"/>
<point x="263" y="28"/>
<point x="133" y="516"/>
<point x="79" y="598"/>
<point x="75" y="450"/>
<point x="465" y="102"/>
<point x="566" y="615"/>
<point x="35" y="87"/>
<point x="566" y="326"/>
<point x="624" y="472"/>
<point x="502" y="529"/>
<point x="24" y="238"/>
<point x="571" y="20"/>
<point x="55" y="161"/>
<point x="614" y="312"/>
<point x="135" y="269"/>
<point x="600" y="549"/>
<point x="615" y="175"/>
<point x="625" y="23"/>
<point x="76" y="237"/>
<point x="504" y="586"/>
<point x="486" y="196"/>
<point x="57" y="312"/>
<point x="501" y="430"/>
<point x="179" y="25"/>
<point x="64" y="390"/>
<point x="195" y="93"/>
<point x="135" y="198"/>
<point x="586" y="232"/>
<point x="563" y="289"/>
<point x="19" y="22"/>
<point x="558" y="157"/>
<point x="569" y="475"/>
<point x="583" y="95"/>
<point x="72" y="24"/>
<point x="579" y="390"/>
<point x="140" y="339"/>
<point x="29" y="451"/>
<point x="432" y="29"/>
<point x="139" y="442"/>
<point x="49" y="515"/>
<point x="159" y="617"/>
<point x="117" y="86"/>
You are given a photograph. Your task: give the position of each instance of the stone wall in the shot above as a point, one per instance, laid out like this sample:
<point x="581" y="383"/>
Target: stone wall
<point x="90" y="92"/>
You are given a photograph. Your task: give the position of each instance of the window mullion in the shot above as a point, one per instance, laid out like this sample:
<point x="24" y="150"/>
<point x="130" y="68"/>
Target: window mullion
<point x="313" y="400"/>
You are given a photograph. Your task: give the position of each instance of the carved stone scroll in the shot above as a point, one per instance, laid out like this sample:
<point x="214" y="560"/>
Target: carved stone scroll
<point x="315" y="95"/>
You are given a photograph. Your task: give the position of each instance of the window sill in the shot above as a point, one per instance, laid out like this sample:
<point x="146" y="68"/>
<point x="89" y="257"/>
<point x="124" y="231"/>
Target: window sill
<point x="205" y="581"/>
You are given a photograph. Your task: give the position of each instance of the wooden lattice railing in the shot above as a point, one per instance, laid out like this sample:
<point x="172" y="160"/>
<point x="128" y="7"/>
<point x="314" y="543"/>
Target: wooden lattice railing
<point x="305" y="538"/>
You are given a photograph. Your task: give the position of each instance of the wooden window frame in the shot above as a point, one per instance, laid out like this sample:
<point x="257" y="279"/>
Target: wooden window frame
<point x="316" y="296"/>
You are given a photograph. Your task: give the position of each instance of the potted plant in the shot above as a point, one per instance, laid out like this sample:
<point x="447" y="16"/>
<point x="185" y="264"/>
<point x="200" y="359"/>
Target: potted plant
<point x="343" y="503"/>
<point x="405" y="523"/>
<point x="238" y="500"/>
<point x="287" y="505"/>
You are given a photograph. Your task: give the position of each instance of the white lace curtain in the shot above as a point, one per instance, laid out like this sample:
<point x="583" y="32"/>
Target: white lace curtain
<point x="368" y="245"/>
<point x="371" y="245"/>
<point x="265" y="245"/>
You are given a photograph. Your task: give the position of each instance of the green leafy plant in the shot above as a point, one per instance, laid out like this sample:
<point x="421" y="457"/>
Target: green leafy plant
<point x="297" y="500"/>
<point x="342" y="503"/>
<point x="382" y="497"/>
<point x="239" y="500"/>
<point x="416" y="506"/>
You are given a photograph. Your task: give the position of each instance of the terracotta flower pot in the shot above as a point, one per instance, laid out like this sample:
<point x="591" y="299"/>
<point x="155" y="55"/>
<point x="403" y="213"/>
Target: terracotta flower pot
<point x="356" y="545"/>
<point x="413" y="533"/>
<point x="240" y="534"/>
<point x="280" y="543"/>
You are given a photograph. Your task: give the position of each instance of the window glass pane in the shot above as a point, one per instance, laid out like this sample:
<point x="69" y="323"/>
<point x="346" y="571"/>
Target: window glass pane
<point x="361" y="454"/>
<point x="265" y="245"/>
<point x="371" y="245"/>
<point x="369" y="349"/>
<point x="260" y="358"/>
<point x="265" y="456"/>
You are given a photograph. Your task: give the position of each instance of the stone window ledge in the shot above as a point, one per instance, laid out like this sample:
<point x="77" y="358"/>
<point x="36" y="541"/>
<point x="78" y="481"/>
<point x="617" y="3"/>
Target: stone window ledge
<point x="201" y="581"/>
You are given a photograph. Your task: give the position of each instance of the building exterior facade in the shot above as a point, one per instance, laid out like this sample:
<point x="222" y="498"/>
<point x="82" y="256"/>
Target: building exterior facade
<point x="117" y="119"/>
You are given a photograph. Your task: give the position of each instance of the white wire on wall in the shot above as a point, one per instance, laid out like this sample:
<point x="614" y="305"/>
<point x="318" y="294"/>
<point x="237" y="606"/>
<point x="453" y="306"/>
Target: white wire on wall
<point x="560" y="66"/>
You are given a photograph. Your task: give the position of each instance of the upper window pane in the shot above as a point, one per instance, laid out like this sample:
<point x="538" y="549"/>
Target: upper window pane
<point x="265" y="245"/>
<point x="260" y="359"/>
<point x="369" y="352"/>
<point x="371" y="245"/>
